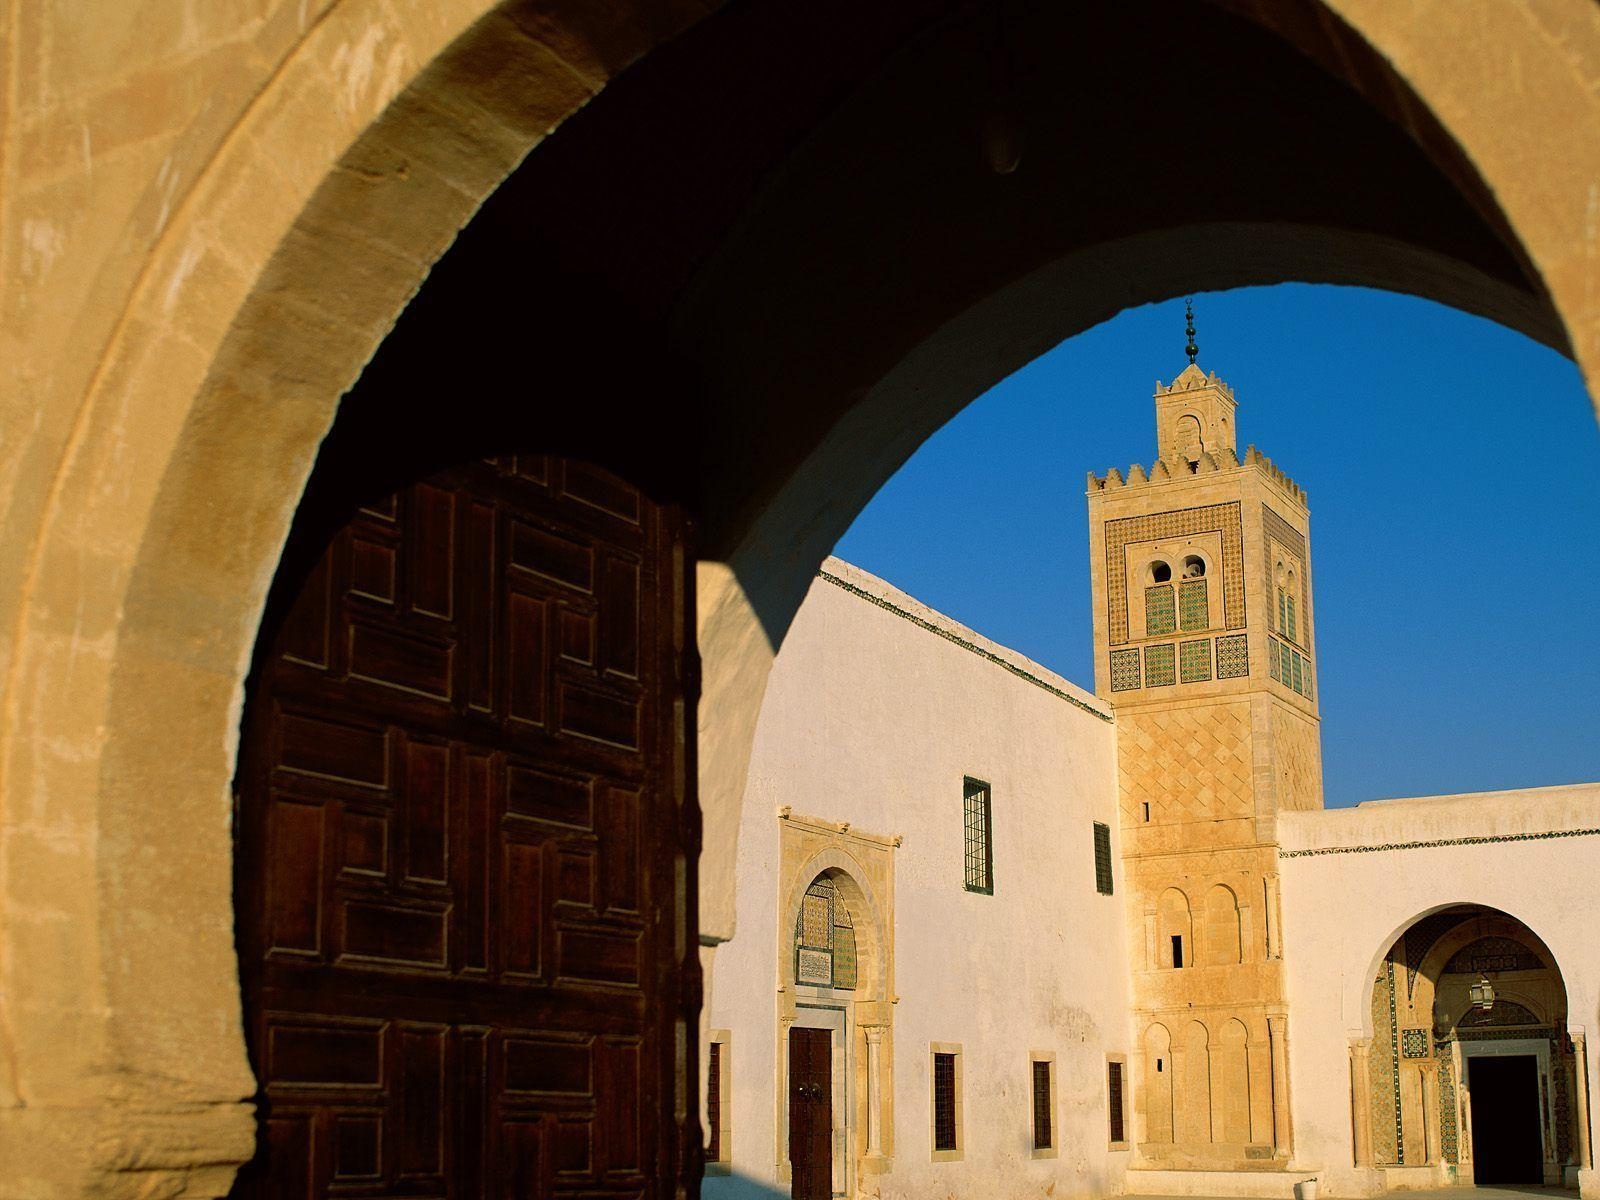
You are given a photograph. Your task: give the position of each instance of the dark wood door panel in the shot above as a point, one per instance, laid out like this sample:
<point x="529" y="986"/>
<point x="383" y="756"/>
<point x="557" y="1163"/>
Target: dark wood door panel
<point x="462" y="799"/>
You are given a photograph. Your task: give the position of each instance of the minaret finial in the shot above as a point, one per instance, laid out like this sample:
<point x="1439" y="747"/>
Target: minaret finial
<point x="1191" y="349"/>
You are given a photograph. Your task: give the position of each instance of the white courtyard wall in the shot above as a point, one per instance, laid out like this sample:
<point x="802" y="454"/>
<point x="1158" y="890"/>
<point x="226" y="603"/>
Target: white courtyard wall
<point x="1354" y="879"/>
<point x="873" y="719"/>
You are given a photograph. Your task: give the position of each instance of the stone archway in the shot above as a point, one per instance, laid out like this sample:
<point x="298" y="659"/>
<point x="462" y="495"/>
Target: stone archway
<point x="1468" y="984"/>
<point x="187" y="350"/>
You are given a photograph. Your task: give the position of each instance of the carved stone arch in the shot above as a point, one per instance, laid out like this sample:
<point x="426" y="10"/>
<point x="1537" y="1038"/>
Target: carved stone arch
<point x="872" y="935"/>
<point x="1222" y="940"/>
<point x="1230" y="1083"/>
<point x="1174" y="920"/>
<point x="1487" y="924"/>
<point x="1158" y="1085"/>
<point x="1192" y="1103"/>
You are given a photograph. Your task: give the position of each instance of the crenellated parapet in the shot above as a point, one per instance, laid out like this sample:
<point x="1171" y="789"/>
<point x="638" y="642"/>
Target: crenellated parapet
<point x="1205" y="463"/>
<point x="1194" y="379"/>
<point x="1254" y="458"/>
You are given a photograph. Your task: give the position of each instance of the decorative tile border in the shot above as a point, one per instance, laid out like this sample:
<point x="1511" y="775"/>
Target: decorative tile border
<point x="1394" y="1068"/>
<point x="1466" y="841"/>
<point x="956" y="640"/>
<point x="1211" y="518"/>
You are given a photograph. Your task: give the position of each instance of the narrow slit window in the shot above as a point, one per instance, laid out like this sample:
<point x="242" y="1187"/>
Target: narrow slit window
<point x="1102" y="857"/>
<point x="979" y="842"/>
<point x="714" y="1103"/>
<point x="1042" y="1133"/>
<point x="1177" y="950"/>
<point x="944" y="1102"/>
<point x="1116" y="1113"/>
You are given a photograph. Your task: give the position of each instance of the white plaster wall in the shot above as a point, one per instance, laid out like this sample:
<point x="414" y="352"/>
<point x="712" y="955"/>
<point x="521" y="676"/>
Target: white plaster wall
<point x="871" y="719"/>
<point x="1344" y="905"/>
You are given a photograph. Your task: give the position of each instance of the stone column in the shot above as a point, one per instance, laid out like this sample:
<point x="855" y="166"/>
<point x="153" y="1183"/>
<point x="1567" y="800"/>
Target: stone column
<point x="1432" y="1142"/>
<point x="874" y="1034"/>
<point x="1361" y="1099"/>
<point x="1282" y="1133"/>
<point x="1580" y="1069"/>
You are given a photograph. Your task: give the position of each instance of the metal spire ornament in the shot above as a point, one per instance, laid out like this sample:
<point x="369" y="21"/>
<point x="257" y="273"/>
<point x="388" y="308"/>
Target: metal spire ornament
<point x="1188" y="328"/>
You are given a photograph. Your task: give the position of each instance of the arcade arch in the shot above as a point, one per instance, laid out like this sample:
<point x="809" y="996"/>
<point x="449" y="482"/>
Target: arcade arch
<point x="1471" y="1074"/>
<point x="203" y="361"/>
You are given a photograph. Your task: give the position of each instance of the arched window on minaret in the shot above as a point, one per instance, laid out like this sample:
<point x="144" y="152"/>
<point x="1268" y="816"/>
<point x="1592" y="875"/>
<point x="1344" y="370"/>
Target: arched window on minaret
<point x="1188" y="439"/>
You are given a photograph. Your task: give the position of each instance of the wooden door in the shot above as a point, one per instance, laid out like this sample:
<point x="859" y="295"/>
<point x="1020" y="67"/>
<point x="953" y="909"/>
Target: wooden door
<point x="811" y="1113"/>
<point x="466" y="839"/>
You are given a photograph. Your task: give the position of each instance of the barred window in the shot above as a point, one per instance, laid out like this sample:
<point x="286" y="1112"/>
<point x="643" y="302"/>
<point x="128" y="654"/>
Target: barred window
<point x="1114" y="1101"/>
<point x="944" y="1102"/>
<point x="714" y="1103"/>
<point x="1042" y="1134"/>
<point x="979" y="851"/>
<point x="1102" y="856"/>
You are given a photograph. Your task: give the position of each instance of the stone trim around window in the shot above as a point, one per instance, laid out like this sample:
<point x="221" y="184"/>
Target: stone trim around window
<point x="1127" y="1106"/>
<point x="1053" y="1150"/>
<point x="956" y="1155"/>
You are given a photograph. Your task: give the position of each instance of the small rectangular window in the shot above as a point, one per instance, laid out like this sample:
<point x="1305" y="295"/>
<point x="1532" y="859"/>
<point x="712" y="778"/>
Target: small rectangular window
<point x="1043" y="1135"/>
<point x="946" y="1102"/>
<point x="719" y="1134"/>
<point x="1114" y="1101"/>
<point x="714" y="1102"/>
<point x="979" y="851"/>
<point x="1177" y="950"/>
<point x="1147" y="810"/>
<point x="1102" y="856"/>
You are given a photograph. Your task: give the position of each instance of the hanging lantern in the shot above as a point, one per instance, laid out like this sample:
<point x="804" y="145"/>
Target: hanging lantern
<point x="1482" y="994"/>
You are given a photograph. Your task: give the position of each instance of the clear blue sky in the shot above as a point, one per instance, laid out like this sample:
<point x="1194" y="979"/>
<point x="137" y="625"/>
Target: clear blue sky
<point x="1453" y="470"/>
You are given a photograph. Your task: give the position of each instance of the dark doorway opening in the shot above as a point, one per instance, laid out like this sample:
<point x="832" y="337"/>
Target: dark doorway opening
<point x="1508" y="1146"/>
<point x="811" y="1113"/>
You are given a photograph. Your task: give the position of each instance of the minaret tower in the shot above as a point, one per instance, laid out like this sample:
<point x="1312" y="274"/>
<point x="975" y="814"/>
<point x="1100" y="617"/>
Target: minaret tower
<point x="1204" y="647"/>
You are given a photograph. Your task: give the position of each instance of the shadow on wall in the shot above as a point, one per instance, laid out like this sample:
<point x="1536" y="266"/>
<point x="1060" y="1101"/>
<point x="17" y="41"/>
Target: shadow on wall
<point x="738" y="1187"/>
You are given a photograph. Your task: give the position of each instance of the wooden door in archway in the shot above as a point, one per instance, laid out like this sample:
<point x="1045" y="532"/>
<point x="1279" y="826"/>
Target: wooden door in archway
<point x="466" y="837"/>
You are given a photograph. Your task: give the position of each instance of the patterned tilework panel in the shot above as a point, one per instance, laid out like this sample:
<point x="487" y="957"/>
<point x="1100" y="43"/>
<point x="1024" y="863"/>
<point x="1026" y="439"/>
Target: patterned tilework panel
<point x="1124" y="670"/>
<point x="1211" y="518"/>
<point x="1449" y="1143"/>
<point x="1414" y="1043"/>
<point x="1208" y="749"/>
<point x="1160" y="611"/>
<point x="1289" y="667"/>
<point x="816" y="921"/>
<point x="1159" y="669"/>
<point x="1233" y="656"/>
<point x="1286" y="535"/>
<point x="1192" y="610"/>
<point x="1194" y="660"/>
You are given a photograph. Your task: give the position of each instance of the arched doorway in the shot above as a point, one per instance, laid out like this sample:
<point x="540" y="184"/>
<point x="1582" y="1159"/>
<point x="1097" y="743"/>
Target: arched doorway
<point x="1471" y="1075"/>
<point x="836" y="1029"/>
